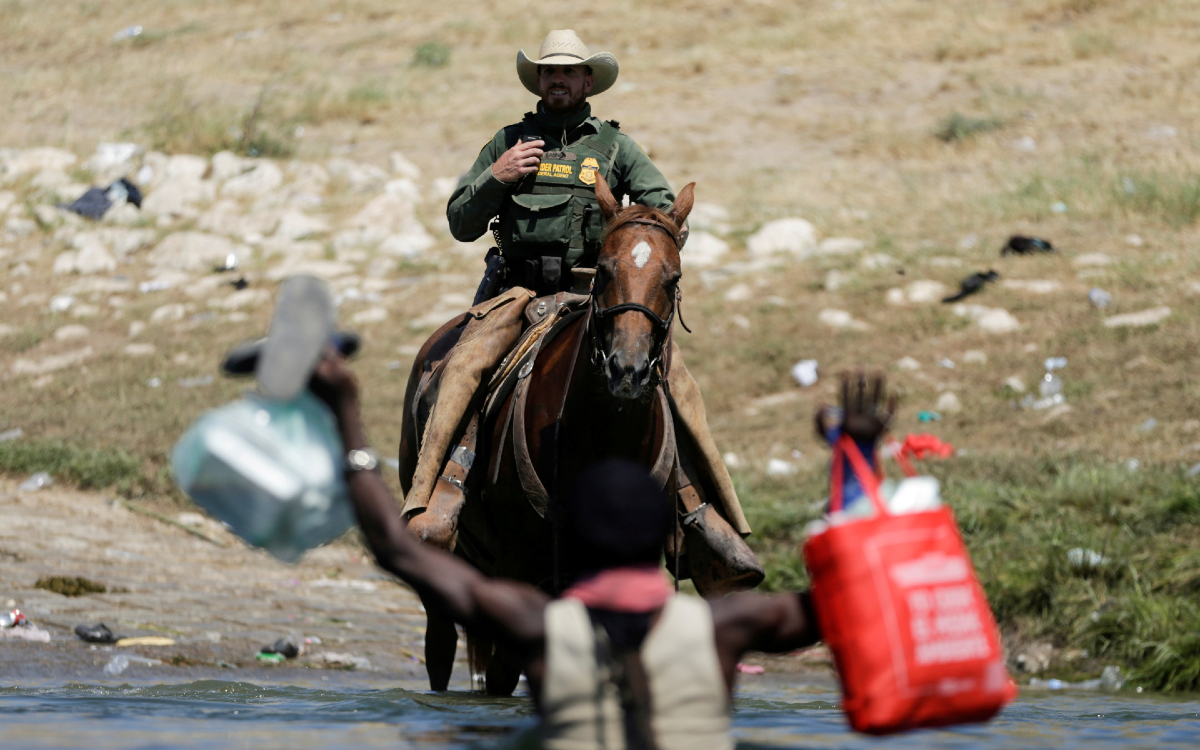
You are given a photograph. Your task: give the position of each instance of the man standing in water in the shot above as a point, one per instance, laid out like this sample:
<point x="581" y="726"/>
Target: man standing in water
<point x="619" y="660"/>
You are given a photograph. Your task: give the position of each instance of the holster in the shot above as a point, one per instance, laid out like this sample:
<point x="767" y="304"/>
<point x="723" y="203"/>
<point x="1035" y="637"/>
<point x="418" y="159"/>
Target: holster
<point x="493" y="277"/>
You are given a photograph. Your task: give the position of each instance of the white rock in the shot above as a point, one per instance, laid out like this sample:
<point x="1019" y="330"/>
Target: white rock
<point x="226" y="217"/>
<point x="111" y="160"/>
<point x="908" y="363"/>
<point x="192" y="251"/>
<point x="175" y="196"/>
<point x="443" y="187"/>
<point x="948" y="403"/>
<point x="61" y="303"/>
<point x="409" y="243"/>
<point x="709" y="217"/>
<point x="738" y="293"/>
<point x="841" y="319"/>
<point x="403" y="167"/>
<point x="139" y="350"/>
<point x="168" y="313"/>
<point x="51" y="363"/>
<point x="185" y="167"/>
<point x="14" y="163"/>
<point x="227" y="165"/>
<point x="877" y="260"/>
<point x="6" y="330"/>
<point x="974" y="357"/>
<point x="359" y="178"/>
<point x="388" y="213"/>
<point x="944" y="261"/>
<point x="1015" y="383"/>
<point x="7" y="200"/>
<point x="17" y="227"/>
<point x="1134" y="240"/>
<point x="895" y="297"/>
<point x="92" y="256"/>
<point x="1143" y="318"/>
<point x="66" y="262"/>
<point x="741" y="321"/>
<point x="136" y="327"/>
<point x="1035" y="286"/>
<point x="1025" y="143"/>
<point x="369" y="315"/>
<point x="835" y="280"/>
<point x="71" y="332"/>
<point x="1092" y="259"/>
<point x="259" y="181"/>
<point x="990" y="319"/>
<point x="733" y="460"/>
<point x="840" y="246"/>
<point x="325" y="269"/>
<point x="777" y="467"/>
<point x="793" y="236"/>
<point x="925" y="292"/>
<point x="294" y="225"/>
<point x="703" y="250"/>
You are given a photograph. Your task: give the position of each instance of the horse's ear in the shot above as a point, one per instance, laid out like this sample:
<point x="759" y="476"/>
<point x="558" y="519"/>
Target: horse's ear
<point x="683" y="205"/>
<point x="608" y="204"/>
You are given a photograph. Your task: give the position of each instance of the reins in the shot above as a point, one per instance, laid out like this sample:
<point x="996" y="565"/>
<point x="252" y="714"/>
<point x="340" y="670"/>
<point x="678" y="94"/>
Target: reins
<point x="663" y="324"/>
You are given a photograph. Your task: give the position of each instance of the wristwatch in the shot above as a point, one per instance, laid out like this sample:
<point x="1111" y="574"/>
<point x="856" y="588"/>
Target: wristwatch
<point x="362" y="459"/>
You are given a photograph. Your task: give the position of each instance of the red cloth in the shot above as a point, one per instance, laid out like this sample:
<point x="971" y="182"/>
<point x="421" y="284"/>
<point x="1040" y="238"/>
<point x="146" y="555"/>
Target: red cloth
<point x="637" y="588"/>
<point x="924" y="445"/>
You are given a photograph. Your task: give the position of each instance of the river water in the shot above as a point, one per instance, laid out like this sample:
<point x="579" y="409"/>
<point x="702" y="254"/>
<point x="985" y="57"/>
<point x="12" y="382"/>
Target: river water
<point x="337" y="709"/>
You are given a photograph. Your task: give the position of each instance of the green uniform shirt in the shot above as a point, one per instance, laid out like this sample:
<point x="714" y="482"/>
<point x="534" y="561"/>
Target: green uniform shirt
<point x="480" y="196"/>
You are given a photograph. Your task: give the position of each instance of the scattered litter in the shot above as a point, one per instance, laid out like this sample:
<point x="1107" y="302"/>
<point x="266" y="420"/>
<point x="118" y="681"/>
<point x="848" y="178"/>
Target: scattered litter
<point x="230" y="264"/>
<point x="946" y="362"/>
<point x="1085" y="559"/>
<point x="239" y="283"/>
<point x="12" y="619"/>
<point x="805" y="372"/>
<point x="732" y="460"/>
<point x="269" y="658"/>
<point x="36" y="482"/>
<point x="154" y="382"/>
<point x="1099" y="298"/>
<point x="1110" y="680"/>
<point x="1058" y="207"/>
<point x="61" y="303"/>
<point x="1020" y="245"/>
<point x="1055" y="363"/>
<point x="928" y="416"/>
<point x="972" y="284"/>
<point x="226" y="665"/>
<point x="128" y="32"/>
<point x="25" y="632"/>
<point x="1148" y="425"/>
<point x="13" y="434"/>
<point x="197" y="382"/>
<point x="146" y="640"/>
<point x="750" y="668"/>
<point x="154" y="286"/>
<point x="346" y="660"/>
<point x="777" y="467"/>
<point x="96" y="202"/>
<point x="1133" y="464"/>
<point x="923" y="445"/>
<point x="908" y="363"/>
<point x="95" y="633"/>
<point x="116" y="665"/>
<point x="284" y="647"/>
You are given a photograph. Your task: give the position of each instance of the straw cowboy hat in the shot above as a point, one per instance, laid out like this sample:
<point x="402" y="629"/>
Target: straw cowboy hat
<point x="563" y="47"/>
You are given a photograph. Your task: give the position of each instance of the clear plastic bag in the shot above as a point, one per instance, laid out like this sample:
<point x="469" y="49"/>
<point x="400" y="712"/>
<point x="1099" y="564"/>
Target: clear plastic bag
<point x="272" y="471"/>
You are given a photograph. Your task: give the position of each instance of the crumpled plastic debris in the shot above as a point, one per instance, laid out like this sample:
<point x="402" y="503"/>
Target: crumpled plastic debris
<point x="805" y="372"/>
<point x="923" y="445"/>
<point x="36" y="482"/>
<point x="750" y="668"/>
<point x="95" y="202"/>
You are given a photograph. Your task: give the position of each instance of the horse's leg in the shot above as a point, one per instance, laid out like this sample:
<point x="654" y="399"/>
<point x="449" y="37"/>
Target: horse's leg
<point x="441" y="641"/>
<point x="504" y="671"/>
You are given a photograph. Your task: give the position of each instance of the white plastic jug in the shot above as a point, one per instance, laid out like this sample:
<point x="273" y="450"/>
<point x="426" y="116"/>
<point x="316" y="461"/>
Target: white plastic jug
<point x="270" y="470"/>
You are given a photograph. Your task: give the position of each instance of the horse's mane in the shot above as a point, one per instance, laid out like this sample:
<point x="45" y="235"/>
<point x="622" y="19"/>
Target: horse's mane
<point x="642" y="213"/>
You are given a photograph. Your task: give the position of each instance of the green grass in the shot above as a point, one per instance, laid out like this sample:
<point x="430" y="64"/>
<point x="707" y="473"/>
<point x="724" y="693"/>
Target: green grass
<point x="960" y="127"/>
<point x="87" y="468"/>
<point x="1021" y="519"/>
<point x="432" y="55"/>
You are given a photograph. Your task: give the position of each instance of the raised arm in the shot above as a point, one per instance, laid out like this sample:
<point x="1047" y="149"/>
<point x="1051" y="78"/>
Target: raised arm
<point x="506" y="608"/>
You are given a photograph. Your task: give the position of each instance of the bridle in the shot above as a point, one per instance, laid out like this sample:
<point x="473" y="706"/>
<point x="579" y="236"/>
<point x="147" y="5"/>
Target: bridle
<point x="599" y="356"/>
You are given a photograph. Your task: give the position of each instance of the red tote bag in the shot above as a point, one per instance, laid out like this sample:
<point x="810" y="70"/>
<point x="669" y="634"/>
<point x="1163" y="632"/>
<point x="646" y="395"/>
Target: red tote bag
<point x="900" y="607"/>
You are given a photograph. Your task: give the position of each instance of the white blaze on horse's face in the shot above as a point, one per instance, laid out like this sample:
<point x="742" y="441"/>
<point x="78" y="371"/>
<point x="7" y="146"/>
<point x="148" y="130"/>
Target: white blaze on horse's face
<point x="641" y="253"/>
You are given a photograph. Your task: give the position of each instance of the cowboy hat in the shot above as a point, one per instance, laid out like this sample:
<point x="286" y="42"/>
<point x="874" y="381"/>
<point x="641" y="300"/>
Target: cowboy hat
<point x="564" y="47"/>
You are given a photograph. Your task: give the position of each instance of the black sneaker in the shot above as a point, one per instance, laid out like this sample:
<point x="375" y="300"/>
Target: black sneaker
<point x="95" y="633"/>
<point x="300" y="329"/>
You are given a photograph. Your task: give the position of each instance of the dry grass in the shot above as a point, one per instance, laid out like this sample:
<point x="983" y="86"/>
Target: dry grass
<point x="817" y="109"/>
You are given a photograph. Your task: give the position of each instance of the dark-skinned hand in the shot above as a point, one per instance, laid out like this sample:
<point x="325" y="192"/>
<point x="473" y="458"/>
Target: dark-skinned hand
<point x="333" y="382"/>
<point x="866" y="408"/>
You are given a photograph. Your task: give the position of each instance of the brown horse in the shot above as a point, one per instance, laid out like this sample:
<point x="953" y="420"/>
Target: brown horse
<point x="596" y="389"/>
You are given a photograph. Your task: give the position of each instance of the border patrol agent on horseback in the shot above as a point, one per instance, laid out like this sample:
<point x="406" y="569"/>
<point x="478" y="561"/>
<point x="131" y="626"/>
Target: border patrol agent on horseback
<point x="533" y="185"/>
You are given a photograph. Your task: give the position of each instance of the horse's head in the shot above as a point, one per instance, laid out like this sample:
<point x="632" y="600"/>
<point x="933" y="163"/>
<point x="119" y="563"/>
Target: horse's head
<point x="634" y="296"/>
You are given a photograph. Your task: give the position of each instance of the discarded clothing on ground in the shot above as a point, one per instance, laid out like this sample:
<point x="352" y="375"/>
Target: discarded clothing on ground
<point x="1019" y="245"/>
<point x="972" y="284"/>
<point x="96" y="202"/>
